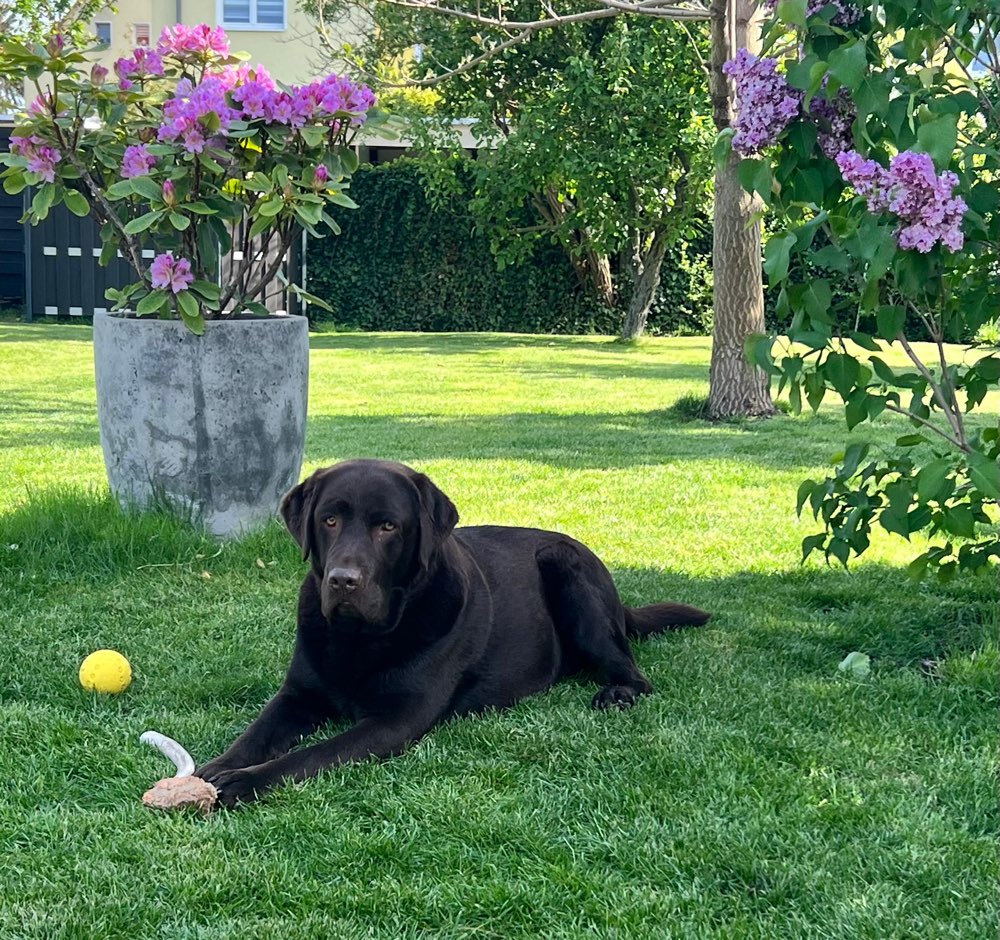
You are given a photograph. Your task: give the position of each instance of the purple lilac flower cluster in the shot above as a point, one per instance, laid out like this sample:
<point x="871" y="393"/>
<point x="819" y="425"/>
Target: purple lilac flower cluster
<point x="766" y="102"/>
<point x="170" y="273"/>
<point x="847" y="13"/>
<point x="834" y="120"/>
<point x="138" y="161"/>
<point x="910" y="189"/>
<point x="41" y="157"/>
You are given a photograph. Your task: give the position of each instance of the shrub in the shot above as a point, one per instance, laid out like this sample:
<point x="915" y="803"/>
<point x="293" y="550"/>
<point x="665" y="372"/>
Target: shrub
<point x="402" y="263"/>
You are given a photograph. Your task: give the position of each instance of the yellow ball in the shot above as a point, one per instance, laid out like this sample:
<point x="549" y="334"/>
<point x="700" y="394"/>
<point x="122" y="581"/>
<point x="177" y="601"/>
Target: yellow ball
<point x="105" y="671"/>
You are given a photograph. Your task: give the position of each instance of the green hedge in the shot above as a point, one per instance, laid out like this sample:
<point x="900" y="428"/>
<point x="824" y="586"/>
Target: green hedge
<point x="403" y="264"/>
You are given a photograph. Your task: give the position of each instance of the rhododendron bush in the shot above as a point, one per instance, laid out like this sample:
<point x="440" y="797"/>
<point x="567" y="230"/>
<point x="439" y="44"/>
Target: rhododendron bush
<point x="190" y="151"/>
<point x="871" y="132"/>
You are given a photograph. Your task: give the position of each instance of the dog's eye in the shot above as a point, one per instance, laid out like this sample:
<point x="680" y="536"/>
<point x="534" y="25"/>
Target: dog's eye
<point x="331" y="523"/>
<point x="388" y="526"/>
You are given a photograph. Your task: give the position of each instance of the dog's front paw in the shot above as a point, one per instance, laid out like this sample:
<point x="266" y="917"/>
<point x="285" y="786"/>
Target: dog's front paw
<point x="616" y="696"/>
<point x="240" y="785"/>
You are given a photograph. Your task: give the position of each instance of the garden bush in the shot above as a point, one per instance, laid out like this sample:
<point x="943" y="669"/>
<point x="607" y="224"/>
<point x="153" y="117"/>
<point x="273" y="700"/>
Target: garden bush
<point x="403" y="263"/>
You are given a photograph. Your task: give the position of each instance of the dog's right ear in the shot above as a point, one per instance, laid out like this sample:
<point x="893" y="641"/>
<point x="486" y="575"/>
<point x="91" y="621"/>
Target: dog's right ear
<point x="296" y="510"/>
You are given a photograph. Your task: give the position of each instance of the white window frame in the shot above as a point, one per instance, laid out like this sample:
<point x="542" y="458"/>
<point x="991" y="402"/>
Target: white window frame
<point x="111" y="32"/>
<point x="148" y="44"/>
<point x="253" y="26"/>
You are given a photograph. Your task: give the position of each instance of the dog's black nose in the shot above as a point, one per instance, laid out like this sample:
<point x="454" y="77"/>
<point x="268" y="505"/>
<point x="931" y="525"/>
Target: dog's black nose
<point x="344" y="579"/>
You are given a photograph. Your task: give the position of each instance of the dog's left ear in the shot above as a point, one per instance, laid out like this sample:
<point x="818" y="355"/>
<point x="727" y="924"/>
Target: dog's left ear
<point x="438" y="516"/>
<point x="296" y="510"/>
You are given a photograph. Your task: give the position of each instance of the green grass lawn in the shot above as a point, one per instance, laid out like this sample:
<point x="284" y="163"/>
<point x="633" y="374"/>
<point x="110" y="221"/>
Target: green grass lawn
<point x="759" y="793"/>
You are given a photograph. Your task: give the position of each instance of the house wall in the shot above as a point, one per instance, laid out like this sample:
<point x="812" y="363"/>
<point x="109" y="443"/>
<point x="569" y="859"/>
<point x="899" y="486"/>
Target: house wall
<point x="292" y="55"/>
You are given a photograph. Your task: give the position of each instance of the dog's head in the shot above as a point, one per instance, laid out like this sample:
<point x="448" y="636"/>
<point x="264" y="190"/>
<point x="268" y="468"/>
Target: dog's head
<point x="371" y="530"/>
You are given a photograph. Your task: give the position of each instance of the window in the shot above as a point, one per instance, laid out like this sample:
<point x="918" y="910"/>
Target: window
<point x="252" y="14"/>
<point x="102" y="30"/>
<point x="140" y="34"/>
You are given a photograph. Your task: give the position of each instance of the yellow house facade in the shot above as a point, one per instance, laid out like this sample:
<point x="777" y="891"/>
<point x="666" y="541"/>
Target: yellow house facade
<point x="276" y="33"/>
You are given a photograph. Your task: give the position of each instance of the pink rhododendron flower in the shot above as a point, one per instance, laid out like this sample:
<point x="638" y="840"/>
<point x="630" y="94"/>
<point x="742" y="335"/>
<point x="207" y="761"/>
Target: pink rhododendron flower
<point x="910" y="189"/>
<point x="766" y="104"/>
<point x="138" y="161"/>
<point x="40" y="156"/>
<point x="169" y="273"/>
<point x="201" y="40"/>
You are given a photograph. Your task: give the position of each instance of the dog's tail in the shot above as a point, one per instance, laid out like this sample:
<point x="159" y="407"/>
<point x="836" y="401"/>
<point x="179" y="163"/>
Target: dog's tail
<point x="645" y="621"/>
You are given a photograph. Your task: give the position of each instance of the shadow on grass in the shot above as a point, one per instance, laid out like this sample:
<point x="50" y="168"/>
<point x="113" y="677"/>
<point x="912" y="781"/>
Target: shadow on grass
<point x="77" y="551"/>
<point x="575" y="440"/>
<point x="71" y="424"/>
<point x="812" y="615"/>
<point x="40" y="331"/>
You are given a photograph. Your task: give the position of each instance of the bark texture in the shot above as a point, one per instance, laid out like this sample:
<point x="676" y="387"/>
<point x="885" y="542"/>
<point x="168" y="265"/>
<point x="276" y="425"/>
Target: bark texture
<point x="645" y="280"/>
<point x="735" y="387"/>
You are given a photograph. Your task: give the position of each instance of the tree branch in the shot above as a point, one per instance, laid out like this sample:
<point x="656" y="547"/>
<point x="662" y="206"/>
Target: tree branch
<point x="520" y="30"/>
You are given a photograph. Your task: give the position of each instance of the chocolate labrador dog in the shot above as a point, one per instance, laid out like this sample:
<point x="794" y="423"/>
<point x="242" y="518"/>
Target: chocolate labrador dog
<point x="405" y="621"/>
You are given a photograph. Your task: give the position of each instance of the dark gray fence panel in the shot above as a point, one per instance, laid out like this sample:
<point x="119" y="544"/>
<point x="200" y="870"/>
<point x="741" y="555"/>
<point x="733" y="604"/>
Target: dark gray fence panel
<point x="12" y="283"/>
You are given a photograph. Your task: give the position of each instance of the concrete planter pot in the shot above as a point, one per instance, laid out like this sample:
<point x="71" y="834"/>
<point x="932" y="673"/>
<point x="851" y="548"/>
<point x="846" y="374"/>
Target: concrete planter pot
<point x="212" y="425"/>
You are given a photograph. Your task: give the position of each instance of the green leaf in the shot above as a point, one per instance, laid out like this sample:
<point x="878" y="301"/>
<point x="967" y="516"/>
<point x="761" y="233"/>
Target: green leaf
<point x="261" y="223"/>
<point x="313" y="136"/>
<point x="792" y="12"/>
<point x="190" y="311"/>
<point x="856" y="409"/>
<point x="148" y="188"/>
<point x="985" y="474"/>
<point x="179" y="222"/>
<point x="865" y="341"/>
<point x="805" y="491"/>
<point x="988" y="368"/>
<point x="14" y="184"/>
<point x="143" y="222"/>
<point x="841" y="372"/>
<point x="309" y="298"/>
<point x="755" y="176"/>
<point x="339" y="199"/>
<point x="723" y="147"/>
<point x="815" y="390"/>
<point x="43" y="200"/>
<point x="849" y="63"/>
<point x="209" y="292"/>
<point x="270" y="208"/>
<point x="938" y="138"/>
<point x="833" y="258"/>
<point x="153" y="301"/>
<point x="777" y="254"/>
<point x="958" y="520"/>
<point x="890" y="321"/>
<point x="120" y="190"/>
<point x="256" y="308"/>
<point x="931" y="480"/>
<point x="349" y="159"/>
<point x="77" y="203"/>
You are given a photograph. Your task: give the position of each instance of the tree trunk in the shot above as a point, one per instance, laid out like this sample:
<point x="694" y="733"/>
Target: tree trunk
<point x="645" y="281"/>
<point x="592" y="268"/>
<point x="598" y="269"/>
<point x="736" y="388"/>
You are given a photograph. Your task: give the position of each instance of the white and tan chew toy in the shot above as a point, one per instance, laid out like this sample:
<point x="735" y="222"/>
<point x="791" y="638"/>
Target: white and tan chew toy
<point x="183" y="789"/>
